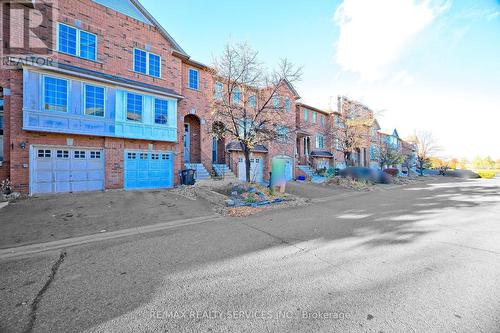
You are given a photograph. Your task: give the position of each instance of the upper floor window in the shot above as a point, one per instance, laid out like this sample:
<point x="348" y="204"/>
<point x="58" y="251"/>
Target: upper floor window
<point x="147" y="63"/>
<point x="219" y="87"/>
<point x="313" y="116"/>
<point x="287" y="104"/>
<point x="320" y="141"/>
<point x="252" y="101"/>
<point x="134" y="107"/>
<point x="193" y="79"/>
<point x="77" y="42"/>
<point x="276" y="101"/>
<point x="237" y="95"/>
<point x="161" y="111"/>
<point x="322" y="120"/>
<point x="55" y="94"/>
<point x="282" y="133"/>
<point x="338" y="144"/>
<point x="94" y="100"/>
<point x="306" y="114"/>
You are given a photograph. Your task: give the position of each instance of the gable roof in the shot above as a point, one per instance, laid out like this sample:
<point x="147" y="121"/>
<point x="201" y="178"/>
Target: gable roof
<point x="134" y="9"/>
<point x="292" y="89"/>
<point x="300" y="104"/>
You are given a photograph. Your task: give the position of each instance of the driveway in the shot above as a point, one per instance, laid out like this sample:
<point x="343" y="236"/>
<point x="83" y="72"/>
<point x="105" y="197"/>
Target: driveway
<point x="49" y="218"/>
<point x="421" y="258"/>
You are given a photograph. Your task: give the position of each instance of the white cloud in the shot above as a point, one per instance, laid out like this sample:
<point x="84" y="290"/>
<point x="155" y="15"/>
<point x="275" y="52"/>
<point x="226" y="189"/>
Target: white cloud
<point x="373" y="33"/>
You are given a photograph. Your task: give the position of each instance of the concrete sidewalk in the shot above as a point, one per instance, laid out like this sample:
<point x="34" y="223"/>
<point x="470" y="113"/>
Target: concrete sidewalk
<point x="49" y="246"/>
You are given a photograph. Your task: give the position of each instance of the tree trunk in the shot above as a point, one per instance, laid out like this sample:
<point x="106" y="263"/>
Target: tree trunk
<point x="246" y="152"/>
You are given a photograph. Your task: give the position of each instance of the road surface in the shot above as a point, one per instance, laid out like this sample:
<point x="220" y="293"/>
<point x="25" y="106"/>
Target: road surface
<point x="423" y="258"/>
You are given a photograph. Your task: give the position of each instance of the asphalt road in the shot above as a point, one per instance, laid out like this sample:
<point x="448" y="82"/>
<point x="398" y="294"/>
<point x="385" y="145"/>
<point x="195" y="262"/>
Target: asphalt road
<point x="424" y="258"/>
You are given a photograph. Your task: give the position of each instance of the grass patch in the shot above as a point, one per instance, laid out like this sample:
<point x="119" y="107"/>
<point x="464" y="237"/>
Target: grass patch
<point x="488" y="174"/>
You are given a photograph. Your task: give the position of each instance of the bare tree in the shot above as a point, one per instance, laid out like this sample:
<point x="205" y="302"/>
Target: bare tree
<point x="388" y="155"/>
<point x="351" y="129"/>
<point x="248" y="99"/>
<point x="425" y="145"/>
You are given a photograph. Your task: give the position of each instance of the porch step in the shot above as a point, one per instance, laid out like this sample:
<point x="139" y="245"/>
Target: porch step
<point x="307" y="170"/>
<point x="222" y="170"/>
<point x="201" y="172"/>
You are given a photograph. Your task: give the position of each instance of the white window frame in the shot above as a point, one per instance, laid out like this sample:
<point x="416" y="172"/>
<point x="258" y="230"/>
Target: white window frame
<point x="314" y="117"/>
<point x="221" y="85"/>
<point x="306" y="114"/>
<point x="197" y="78"/>
<point x="85" y="84"/>
<point x="318" y="146"/>
<point x="147" y="63"/>
<point x="154" y="111"/>
<point x="78" y="42"/>
<point x="126" y="107"/>
<point x="44" y="92"/>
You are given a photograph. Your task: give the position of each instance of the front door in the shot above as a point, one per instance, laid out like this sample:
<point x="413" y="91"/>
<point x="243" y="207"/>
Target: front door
<point x="187" y="157"/>
<point x="214" y="150"/>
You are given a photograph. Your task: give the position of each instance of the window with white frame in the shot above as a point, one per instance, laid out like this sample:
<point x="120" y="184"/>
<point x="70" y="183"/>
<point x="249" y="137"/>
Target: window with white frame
<point x="55" y="93"/>
<point x="313" y="116"/>
<point x="276" y="101"/>
<point x="338" y="144"/>
<point x="219" y="87"/>
<point x="237" y="95"/>
<point x="147" y="63"/>
<point x="94" y="100"/>
<point x="320" y="141"/>
<point x="193" y="79"/>
<point x="282" y="133"/>
<point x="161" y="111"/>
<point x="77" y="42"/>
<point x="322" y="120"/>
<point x="306" y="114"/>
<point x="287" y="104"/>
<point x="134" y="107"/>
<point x="252" y="101"/>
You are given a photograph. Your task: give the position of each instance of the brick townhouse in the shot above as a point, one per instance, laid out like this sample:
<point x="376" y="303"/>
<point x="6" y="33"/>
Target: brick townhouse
<point x="120" y="105"/>
<point x="314" y="144"/>
<point x="103" y="115"/>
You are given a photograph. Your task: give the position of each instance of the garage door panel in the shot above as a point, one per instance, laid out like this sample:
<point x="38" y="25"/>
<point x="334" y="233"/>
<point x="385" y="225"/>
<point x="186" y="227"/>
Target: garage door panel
<point x="62" y="176"/>
<point x="62" y="187"/>
<point x="59" y="170"/>
<point x="44" y="176"/>
<point x="43" y="188"/>
<point x="148" y="170"/>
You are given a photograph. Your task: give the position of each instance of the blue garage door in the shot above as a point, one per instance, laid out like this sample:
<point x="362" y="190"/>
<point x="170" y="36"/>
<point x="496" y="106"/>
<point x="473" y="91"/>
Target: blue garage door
<point x="148" y="169"/>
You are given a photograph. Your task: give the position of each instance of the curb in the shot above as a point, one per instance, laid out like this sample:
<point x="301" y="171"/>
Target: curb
<point x="13" y="252"/>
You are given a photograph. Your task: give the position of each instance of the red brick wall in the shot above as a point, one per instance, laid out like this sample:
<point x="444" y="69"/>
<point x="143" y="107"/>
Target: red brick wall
<point x="197" y="102"/>
<point x="117" y="36"/>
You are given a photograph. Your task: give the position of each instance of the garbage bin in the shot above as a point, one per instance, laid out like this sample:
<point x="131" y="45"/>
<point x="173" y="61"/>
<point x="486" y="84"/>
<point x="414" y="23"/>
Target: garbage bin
<point x="187" y="177"/>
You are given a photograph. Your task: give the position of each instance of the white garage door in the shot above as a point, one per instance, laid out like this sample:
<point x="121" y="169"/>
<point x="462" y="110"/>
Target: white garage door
<point x="256" y="170"/>
<point x="62" y="169"/>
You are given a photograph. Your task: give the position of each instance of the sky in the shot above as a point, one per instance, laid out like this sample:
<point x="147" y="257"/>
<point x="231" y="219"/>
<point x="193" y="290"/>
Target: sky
<point x="430" y="65"/>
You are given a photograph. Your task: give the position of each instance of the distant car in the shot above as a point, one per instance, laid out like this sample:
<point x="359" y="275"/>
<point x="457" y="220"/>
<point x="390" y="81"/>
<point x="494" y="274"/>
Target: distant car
<point x="361" y="173"/>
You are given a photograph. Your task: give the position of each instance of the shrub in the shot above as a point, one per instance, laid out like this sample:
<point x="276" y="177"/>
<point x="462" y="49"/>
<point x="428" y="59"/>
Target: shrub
<point x="392" y="171"/>
<point x="488" y="174"/>
<point x="6" y="187"/>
